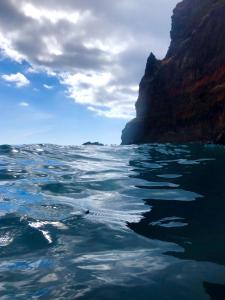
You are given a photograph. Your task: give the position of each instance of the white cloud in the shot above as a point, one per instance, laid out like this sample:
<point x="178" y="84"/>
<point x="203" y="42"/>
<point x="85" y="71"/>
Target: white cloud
<point x="32" y="70"/>
<point x="115" y="111"/>
<point x="54" y="16"/>
<point x="24" y="104"/>
<point x="97" y="49"/>
<point x="48" y="87"/>
<point x="96" y="91"/>
<point x="8" y="50"/>
<point x="18" y="79"/>
<point x="84" y="87"/>
<point x="107" y="46"/>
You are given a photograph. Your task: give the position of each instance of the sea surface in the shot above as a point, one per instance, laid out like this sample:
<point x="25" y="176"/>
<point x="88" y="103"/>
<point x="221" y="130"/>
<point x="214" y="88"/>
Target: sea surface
<point x="114" y="222"/>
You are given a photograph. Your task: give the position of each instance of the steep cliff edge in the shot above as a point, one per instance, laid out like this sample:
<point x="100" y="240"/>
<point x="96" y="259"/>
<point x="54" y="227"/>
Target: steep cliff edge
<point x="182" y="97"/>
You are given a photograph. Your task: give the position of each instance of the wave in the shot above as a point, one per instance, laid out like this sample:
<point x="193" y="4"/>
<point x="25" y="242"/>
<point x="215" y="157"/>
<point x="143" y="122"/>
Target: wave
<point x="77" y="221"/>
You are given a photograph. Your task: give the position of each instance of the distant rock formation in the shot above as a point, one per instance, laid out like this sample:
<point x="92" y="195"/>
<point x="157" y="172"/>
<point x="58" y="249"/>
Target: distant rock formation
<point x="93" y="144"/>
<point x="182" y="97"/>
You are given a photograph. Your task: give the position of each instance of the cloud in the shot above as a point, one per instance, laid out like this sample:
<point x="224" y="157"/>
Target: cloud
<point x="41" y="14"/>
<point x="31" y="70"/>
<point x="97" y="49"/>
<point x="84" y="87"/>
<point x="48" y="87"/>
<point x="18" y="79"/>
<point x="24" y="104"/>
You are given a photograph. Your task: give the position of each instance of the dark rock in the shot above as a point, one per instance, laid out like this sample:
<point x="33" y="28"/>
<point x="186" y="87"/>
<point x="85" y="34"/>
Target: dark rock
<point x="182" y="97"/>
<point x="93" y="144"/>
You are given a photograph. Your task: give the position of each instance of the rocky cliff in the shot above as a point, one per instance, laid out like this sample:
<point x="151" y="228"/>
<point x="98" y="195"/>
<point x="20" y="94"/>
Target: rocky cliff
<point x="182" y="97"/>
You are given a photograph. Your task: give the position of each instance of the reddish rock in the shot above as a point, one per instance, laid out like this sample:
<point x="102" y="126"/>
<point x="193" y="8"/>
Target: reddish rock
<point x="182" y="97"/>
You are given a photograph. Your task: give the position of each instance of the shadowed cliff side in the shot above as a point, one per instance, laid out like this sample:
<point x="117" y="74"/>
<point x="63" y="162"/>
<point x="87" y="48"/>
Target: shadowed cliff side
<point x="182" y="97"/>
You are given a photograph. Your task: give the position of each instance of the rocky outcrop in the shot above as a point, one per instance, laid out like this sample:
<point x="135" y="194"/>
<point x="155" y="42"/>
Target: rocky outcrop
<point x="182" y="97"/>
<point x="92" y="144"/>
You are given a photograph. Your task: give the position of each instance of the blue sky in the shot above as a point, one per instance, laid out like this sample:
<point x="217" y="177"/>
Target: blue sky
<point x="35" y="114"/>
<point x="69" y="73"/>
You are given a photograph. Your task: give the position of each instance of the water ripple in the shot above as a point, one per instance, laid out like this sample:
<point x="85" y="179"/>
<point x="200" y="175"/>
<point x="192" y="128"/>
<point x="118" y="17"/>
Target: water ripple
<point x="112" y="222"/>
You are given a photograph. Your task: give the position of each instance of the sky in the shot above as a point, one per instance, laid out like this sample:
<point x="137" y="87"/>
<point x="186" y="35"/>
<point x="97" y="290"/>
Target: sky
<point x="70" y="70"/>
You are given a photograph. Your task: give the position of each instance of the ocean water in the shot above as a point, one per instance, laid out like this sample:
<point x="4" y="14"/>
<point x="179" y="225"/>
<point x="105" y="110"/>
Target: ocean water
<point x="122" y="222"/>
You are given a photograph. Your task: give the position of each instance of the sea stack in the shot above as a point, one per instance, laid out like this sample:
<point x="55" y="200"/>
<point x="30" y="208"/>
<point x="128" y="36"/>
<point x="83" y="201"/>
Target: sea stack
<point x="182" y="97"/>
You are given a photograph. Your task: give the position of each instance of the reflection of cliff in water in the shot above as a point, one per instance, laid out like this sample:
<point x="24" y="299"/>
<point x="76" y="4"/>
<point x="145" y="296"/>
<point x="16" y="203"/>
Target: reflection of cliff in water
<point x="197" y="226"/>
<point x="215" y="291"/>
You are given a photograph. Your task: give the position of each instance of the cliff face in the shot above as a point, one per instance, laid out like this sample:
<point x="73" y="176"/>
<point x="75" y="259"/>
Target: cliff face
<point x="182" y="97"/>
